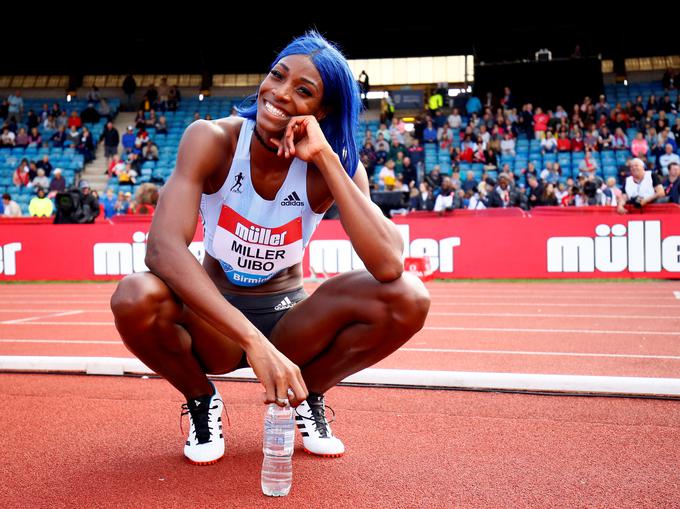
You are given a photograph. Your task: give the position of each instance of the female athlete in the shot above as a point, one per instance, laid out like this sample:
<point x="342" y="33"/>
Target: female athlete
<point x="262" y="180"/>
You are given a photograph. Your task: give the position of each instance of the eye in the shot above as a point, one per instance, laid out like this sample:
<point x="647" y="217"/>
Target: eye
<point x="278" y="75"/>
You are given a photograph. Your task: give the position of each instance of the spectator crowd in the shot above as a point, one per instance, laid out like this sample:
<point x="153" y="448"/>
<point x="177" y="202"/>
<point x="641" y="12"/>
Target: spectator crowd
<point x="489" y="133"/>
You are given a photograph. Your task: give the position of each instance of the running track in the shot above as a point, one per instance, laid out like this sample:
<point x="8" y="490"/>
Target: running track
<point x="96" y="441"/>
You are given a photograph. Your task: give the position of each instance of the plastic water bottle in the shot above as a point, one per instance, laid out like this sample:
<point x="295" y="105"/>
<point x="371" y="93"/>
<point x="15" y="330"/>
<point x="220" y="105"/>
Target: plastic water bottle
<point x="278" y="443"/>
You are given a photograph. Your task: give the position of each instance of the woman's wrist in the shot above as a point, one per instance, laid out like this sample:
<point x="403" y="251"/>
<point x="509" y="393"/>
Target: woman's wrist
<point x="324" y="157"/>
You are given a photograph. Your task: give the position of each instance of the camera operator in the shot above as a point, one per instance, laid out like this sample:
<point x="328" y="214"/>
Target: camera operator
<point x="77" y="205"/>
<point x="641" y="187"/>
<point x="592" y="190"/>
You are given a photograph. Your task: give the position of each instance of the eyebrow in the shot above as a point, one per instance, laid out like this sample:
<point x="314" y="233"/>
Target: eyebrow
<point x="303" y="79"/>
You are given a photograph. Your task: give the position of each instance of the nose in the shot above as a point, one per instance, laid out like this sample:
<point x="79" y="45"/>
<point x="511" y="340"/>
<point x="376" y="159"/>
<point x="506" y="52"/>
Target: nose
<point x="282" y="92"/>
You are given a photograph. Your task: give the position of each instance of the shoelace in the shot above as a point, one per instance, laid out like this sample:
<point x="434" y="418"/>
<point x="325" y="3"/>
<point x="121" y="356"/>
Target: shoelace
<point x="319" y="418"/>
<point x="201" y="420"/>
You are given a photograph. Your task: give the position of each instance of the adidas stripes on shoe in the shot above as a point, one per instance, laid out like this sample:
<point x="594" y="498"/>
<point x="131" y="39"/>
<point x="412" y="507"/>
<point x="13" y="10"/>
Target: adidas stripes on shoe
<point x="316" y="432"/>
<point x="205" y="443"/>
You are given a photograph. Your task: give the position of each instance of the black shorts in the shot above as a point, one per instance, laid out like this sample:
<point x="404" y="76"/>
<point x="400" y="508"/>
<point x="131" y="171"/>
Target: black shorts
<point x="264" y="311"/>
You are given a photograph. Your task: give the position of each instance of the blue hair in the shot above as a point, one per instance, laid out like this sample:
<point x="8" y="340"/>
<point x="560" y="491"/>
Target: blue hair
<point x="340" y="96"/>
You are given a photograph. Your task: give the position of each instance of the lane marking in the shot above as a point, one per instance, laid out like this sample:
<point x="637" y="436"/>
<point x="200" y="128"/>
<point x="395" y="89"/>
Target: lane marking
<point x="25" y="321"/>
<point x="551" y="304"/>
<point x="555" y="354"/>
<point x="617" y="385"/>
<point x="61" y="301"/>
<point x="555" y="315"/>
<point x="64" y="341"/>
<point x="431" y="350"/>
<point x="555" y="331"/>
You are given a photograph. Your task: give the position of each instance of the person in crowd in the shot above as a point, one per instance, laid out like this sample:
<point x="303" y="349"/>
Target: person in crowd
<point x="21" y="177"/>
<point x="111" y="140"/>
<point x="667" y="158"/>
<point x="423" y="199"/>
<point x="8" y="138"/>
<point x="40" y="180"/>
<point x="641" y="187"/>
<point x="535" y="191"/>
<point x="11" y="208"/>
<point x="444" y="200"/>
<point x="671" y="185"/>
<point x="40" y="205"/>
<point x="57" y="184"/>
<point x="109" y="203"/>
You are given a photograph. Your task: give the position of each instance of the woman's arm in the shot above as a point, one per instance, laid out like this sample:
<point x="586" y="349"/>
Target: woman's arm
<point x="202" y="151"/>
<point x="374" y="237"/>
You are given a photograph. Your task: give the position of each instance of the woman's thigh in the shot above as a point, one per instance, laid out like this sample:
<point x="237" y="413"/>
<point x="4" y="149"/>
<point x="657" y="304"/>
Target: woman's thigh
<point x="353" y="297"/>
<point x="217" y="352"/>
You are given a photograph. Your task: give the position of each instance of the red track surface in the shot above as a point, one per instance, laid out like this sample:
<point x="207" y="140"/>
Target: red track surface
<point x="88" y="441"/>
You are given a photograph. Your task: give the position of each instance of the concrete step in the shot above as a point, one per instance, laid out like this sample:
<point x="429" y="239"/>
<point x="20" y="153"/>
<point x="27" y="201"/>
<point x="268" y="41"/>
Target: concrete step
<point x="95" y="171"/>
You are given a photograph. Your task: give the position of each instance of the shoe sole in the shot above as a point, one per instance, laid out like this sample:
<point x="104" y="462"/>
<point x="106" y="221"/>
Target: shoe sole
<point x="204" y="463"/>
<point x="337" y="455"/>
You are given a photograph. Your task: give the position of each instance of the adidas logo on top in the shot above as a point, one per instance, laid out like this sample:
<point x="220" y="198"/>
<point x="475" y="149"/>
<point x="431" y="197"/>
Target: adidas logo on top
<point x="293" y="199"/>
<point x="284" y="304"/>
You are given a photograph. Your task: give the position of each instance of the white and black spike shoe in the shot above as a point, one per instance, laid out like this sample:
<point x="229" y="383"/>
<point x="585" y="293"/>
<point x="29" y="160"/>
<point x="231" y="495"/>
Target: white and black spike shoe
<point x="205" y="443"/>
<point x="317" y="436"/>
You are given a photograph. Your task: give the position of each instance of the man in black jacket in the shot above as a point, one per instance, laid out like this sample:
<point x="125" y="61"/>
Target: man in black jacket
<point x="111" y="140"/>
<point x="492" y="198"/>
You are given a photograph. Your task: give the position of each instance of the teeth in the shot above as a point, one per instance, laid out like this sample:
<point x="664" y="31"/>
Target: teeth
<point x="274" y="111"/>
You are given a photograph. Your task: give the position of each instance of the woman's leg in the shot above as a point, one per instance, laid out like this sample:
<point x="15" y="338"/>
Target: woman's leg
<point x="168" y="337"/>
<point x="350" y="322"/>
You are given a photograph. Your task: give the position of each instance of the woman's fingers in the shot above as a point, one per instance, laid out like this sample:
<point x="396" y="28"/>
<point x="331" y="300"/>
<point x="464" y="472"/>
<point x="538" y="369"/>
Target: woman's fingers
<point x="281" y="390"/>
<point x="299" y="388"/>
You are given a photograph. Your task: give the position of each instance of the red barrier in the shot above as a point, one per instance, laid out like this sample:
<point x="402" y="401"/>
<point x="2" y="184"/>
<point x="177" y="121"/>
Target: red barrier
<point x="565" y="245"/>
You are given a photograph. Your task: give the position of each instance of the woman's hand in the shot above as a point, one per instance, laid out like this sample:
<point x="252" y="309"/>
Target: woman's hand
<point x="276" y="372"/>
<point x="303" y="138"/>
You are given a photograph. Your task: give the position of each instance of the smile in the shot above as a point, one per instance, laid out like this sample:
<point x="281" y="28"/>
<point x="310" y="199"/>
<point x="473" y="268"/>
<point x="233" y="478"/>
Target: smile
<point x="274" y="111"/>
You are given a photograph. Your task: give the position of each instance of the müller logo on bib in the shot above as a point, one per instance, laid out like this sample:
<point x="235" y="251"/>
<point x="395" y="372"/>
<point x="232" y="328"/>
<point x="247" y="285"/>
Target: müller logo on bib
<point x="250" y="253"/>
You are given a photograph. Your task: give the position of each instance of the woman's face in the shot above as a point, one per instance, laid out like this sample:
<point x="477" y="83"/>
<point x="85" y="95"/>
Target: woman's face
<point x="294" y="87"/>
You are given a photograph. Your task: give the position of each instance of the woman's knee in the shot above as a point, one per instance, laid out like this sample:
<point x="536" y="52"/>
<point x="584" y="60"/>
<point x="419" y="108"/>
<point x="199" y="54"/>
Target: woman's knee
<point x="409" y="302"/>
<point x="141" y="299"/>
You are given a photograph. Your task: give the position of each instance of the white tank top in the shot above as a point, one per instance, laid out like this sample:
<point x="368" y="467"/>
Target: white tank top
<point x="253" y="238"/>
<point x="643" y="189"/>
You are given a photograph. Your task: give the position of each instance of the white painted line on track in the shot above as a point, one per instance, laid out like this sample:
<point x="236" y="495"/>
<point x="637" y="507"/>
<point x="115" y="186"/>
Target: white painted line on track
<point x="61" y="301"/>
<point x="64" y="341"/>
<point x="374" y="376"/>
<point x="556" y="315"/>
<point x="98" y="324"/>
<point x="27" y="320"/>
<point x="556" y="331"/>
<point x="549" y="304"/>
<point x="554" y="354"/>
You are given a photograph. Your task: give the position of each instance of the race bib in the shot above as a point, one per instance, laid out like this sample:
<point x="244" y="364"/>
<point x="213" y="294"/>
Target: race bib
<point x="251" y="254"/>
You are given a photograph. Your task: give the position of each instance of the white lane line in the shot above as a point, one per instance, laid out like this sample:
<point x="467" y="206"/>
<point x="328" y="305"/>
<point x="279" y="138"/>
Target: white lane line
<point x="59" y="300"/>
<point x="502" y="297"/>
<point x="555" y="331"/>
<point x="63" y="341"/>
<point x="619" y="385"/>
<point x="98" y="324"/>
<point x="555" y="354"/>
<point x="556" y="315"/>
<point x="25" y="310"/>
<point x="548" y="304"/>
<point x="25" y="321"/>
<point x="430" y="350"/>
